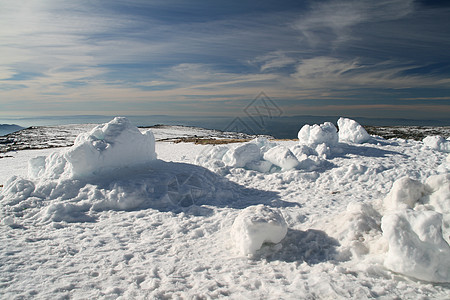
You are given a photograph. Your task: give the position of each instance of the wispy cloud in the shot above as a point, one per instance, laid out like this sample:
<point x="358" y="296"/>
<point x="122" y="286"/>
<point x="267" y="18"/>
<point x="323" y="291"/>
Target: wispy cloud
<point x="135" y="52"/>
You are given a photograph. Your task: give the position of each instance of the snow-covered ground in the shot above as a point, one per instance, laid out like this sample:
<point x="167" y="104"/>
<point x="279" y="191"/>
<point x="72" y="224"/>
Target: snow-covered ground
<point x="329" y="216"/>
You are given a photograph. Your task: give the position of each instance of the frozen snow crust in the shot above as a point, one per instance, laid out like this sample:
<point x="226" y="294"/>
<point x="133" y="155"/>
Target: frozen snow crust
<point x="323" y="219"/>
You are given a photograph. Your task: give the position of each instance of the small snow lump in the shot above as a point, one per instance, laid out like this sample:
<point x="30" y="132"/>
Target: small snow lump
<point x="255" y="226"/>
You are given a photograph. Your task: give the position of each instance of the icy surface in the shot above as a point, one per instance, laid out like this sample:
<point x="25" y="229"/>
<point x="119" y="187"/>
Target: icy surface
<point x="255" y="226"/>
<point x="163" y="229"/>
<point x="351" y="131"/>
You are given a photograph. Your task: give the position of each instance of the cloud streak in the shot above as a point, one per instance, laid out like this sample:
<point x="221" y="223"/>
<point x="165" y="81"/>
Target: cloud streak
<point x="94" y="52"/>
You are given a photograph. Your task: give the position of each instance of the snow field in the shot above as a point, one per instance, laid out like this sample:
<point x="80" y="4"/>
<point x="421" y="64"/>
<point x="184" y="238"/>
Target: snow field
<point x="318" y="220"/>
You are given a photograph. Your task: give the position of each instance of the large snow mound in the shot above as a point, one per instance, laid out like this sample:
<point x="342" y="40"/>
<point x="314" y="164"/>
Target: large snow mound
<point x="416" y="224"/>
<point x="325" y="133"/>
<point x="117" y="144"/>
<point x="113" y="167"/>
<point x="351" y="131"/>
<point x="416" y="246"/>
<point x="255" y="226"/>
<point x="437" y="142"/>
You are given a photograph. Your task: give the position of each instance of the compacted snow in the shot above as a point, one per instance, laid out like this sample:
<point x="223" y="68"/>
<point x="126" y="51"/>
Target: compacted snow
<point x="337" y="214"/>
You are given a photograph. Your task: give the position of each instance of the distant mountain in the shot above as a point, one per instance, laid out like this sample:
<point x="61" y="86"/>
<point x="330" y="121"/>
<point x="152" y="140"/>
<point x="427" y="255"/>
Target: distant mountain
<point x="9" y="128"/>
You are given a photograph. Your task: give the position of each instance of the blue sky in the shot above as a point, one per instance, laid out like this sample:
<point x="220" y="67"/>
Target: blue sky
<point x="351" y="58"/>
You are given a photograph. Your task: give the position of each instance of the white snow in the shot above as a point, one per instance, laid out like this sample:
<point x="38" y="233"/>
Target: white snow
<point x="437" y="142"/>
<point x="242" y="155"/>
<point x="255" y="226"/>
<point x="325" y="133"/>
<point x="282" y="157"/>
<point x="416" y="246"/>
<point x="416" y="224"/>
<point x="274" y="220"/>
<point x="351" y="131"/>
<point x="116" y="144"/>
<point x="405" y="193"/>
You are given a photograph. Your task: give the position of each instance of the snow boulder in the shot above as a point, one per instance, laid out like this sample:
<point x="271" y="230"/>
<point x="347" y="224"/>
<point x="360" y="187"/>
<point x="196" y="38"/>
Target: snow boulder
<point x="242" y="155"/>
<point x="255" y="226"/>
<point x="416" y="246"/>
<point x="281" y="157"/>
<point x="325" y="133"/>
<point x="113" y="145"/>
<point x="405" y="192"/>
<point x="438" y="143"/>
<point x="351" y="131"/>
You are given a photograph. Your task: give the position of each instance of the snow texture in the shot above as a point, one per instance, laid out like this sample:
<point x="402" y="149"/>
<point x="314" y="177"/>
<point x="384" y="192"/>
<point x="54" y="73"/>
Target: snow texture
<point x="325" y="133"/>
<point x="281" y="157"/>
<point x="255" y="226"/>
<point x="114" y="145"/>
<point x="242" y="155"/>
<point x="416" y="225"/>
<point x="351" y="131"/>
<point x="416" y="246"/>
<point x="323" y="220"/>
<point x="438" y="143"/>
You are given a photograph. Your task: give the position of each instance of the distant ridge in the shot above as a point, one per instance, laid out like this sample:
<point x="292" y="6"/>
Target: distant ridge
<point x="9" y="128"/>
<point x="279" y="127"/>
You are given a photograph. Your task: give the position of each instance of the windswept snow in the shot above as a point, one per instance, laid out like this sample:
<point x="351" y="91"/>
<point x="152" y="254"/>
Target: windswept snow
<point x="118" y="215"/>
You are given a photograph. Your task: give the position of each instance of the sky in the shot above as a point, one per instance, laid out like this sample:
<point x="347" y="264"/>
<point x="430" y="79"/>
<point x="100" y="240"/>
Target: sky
<point x="198" y="58"/>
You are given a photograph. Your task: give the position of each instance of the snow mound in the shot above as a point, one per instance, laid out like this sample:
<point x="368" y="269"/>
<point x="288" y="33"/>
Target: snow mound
<point x="416" y="246"/>
<point x="417" y="227"/>
<point x="113" y="167"/>
<point x="281" y="157"/>
<point x="437" y="142"/>
<point x="242" y="155"/>
<point x="405" y="193"/>
<point x="263" y="156"/>
<point x="255" y="226"/>
<point x="325" y="133"/>
<point x="117" y="144"/>
<point x="357" y="230"/>
<point x="351" y="131"/>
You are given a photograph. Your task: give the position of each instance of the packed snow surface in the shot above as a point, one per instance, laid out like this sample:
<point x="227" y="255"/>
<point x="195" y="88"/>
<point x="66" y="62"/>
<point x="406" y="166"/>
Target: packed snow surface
<point x="118" y="215"/>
